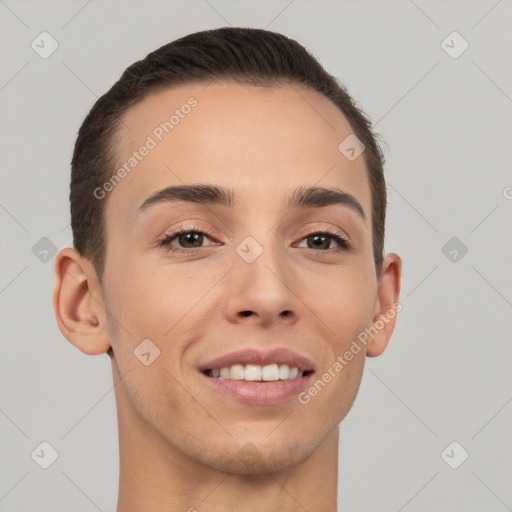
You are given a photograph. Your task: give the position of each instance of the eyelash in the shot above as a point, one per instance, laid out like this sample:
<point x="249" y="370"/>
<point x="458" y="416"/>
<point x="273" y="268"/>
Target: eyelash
<point x="164" y="241"/>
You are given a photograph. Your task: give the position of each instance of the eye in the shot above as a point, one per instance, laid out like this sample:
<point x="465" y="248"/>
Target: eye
<point x="190" y="238"/>
<point x="322" y="241"/>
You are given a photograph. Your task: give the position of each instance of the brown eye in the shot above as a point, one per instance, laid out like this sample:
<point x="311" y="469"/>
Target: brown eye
<point x="319" y="241"/>
<point x="193" y="237"/>
<point x="184" y="239"/>
<point x="322" y="241"/>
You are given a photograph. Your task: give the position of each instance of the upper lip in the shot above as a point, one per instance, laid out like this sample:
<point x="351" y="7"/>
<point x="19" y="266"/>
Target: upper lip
<point x="253" y="356"/>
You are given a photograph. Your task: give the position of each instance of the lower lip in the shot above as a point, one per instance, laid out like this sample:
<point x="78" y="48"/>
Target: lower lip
<point x="260" y="392"/>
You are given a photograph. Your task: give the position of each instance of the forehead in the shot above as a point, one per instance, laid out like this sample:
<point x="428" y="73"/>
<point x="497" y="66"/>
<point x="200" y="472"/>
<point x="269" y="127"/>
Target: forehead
<point x="261" y="142"/>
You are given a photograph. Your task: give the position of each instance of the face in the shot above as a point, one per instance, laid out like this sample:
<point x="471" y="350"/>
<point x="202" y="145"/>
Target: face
<point x="258" y="280"/>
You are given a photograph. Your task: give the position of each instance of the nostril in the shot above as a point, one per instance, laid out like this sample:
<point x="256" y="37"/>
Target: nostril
<point x="246" y="313"/>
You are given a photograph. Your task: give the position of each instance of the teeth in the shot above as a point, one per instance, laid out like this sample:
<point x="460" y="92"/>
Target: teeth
<point x="237" y="372"/>
<point x="255" y="372"/>
<point x="270" y="372"/>
<point x="284" y="371"/>
<point x="252" y="372"/>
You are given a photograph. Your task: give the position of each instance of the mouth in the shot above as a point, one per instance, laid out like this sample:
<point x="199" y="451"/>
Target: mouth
<point x="253" y="377"/>
<point x="257" y="373"/>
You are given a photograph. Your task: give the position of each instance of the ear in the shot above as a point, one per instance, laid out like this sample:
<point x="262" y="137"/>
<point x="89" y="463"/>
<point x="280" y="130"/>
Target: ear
<point x="386" y="305"/>
<point x="78" y="303"/>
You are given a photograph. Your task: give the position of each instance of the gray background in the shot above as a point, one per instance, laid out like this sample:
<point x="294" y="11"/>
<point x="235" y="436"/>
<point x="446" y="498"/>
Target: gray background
<point x="447" y="121"/>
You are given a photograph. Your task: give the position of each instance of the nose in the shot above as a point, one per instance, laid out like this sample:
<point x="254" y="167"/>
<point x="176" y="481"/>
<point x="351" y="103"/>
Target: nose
<point x="261" y="292"/>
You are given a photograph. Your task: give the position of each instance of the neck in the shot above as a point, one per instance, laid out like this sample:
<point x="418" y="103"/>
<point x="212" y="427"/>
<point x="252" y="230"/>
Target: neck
<point x="155" y="475"/>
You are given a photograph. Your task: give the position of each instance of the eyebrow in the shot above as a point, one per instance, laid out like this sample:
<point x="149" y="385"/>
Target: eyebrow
<point x="302" y="197"/>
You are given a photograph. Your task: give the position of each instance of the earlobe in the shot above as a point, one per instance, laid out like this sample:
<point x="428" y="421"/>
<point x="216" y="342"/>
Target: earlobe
<point x="387" y="306"/>
<point x="78" y="309"/>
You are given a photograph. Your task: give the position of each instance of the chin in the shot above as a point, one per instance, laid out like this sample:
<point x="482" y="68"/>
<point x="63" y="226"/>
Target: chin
<point x="253" y="460"/>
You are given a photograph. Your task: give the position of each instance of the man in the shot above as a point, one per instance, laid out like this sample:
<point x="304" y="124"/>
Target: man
<point x="228" y="210"/>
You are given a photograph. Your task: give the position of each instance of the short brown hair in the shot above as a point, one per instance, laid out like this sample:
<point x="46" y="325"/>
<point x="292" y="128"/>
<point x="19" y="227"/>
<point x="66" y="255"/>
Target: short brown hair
<point x="245" y="55"/>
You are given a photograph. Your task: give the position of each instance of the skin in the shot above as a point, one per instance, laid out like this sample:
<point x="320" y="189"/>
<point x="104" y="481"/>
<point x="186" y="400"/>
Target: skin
<point x="180" y="441"/>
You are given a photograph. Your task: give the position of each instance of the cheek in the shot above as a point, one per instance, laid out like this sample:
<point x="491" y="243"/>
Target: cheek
<point x="169" y="305"/>
<point x="346" y="307"/>
<point x="343" y="302"/>
<point x="152" y="300"/>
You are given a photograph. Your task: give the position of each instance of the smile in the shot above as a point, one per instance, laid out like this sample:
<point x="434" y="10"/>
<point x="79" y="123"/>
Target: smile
<point x="254" y="372"/>
<point x="259" y="378"/>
